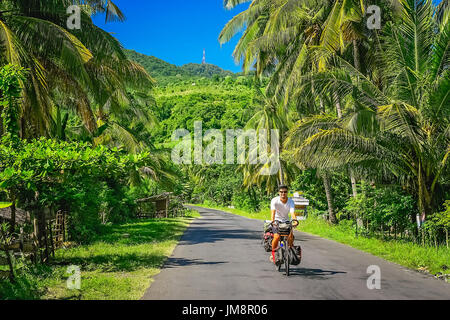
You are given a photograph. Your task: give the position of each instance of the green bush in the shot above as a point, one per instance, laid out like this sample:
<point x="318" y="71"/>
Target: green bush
<point x="310" y="183"/>
<point x="76" y="177"/>
<point x="242" y="200"/>
<point x="438" y="226"/>
<point x="382" y="208"/>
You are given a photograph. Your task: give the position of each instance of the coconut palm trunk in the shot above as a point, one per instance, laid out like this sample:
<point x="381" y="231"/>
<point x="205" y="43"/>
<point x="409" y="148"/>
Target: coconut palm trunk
<point x="327" y="186"/>
<point x="353" y="181"/>
<point x="356" y="58"/>
<point x="338" y="105"/>
<point x="357" y="66"/>
<point x="339" y="114"/>
<point x="281" y="175"/>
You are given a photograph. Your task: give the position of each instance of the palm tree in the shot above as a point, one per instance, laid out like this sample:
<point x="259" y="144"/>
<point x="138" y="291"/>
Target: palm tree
<point x="409" y="138"/>
<point x="128" y="126"/>
<point x="274" y="30"/>
<point x="107" y="7"/>
<point x="71" y="69"/>
<point x="279" y="35"/>
<point x="255" y="18"/>
<point x="269" y="114"/>
<point x="293" y="37"/>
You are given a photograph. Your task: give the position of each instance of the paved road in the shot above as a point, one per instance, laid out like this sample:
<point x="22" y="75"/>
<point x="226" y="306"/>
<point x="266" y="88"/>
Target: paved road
<point x="220" y="257"/>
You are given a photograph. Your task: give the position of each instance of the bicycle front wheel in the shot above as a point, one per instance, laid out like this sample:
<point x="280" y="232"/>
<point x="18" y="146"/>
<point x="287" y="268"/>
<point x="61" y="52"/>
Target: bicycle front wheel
<point x="286" y="259"/>
<point x="281" y="255"/>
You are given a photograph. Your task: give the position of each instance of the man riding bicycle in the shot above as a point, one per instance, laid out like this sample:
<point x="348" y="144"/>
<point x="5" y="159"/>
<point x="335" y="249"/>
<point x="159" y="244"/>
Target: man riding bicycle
<point x="280" y="208"/>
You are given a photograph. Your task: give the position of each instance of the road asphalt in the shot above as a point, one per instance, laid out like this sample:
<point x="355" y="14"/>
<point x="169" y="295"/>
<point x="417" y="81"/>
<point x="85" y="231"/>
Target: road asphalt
<point x="220" y="257"/>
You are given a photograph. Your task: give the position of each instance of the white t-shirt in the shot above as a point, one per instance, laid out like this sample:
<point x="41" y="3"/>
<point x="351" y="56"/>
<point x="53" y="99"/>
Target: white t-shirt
<point x="282" y="210"/>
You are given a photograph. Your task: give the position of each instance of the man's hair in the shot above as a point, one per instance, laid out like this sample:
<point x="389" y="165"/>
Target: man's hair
<point x="283" y="187"/>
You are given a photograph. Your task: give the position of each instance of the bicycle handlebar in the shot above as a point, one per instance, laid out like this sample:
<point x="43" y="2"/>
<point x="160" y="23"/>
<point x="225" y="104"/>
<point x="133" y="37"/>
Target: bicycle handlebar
<point x="287" y="221"/>
<point x="290" y="222"/>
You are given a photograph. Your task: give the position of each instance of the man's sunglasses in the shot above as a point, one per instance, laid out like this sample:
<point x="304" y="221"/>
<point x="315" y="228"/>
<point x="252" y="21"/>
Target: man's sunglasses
<point x="283" y="192"/>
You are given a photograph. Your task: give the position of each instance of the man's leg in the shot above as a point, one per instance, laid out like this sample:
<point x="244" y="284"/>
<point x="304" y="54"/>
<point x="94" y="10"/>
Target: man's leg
<point x="291" y="239"/>
<point x="276" y="239"/>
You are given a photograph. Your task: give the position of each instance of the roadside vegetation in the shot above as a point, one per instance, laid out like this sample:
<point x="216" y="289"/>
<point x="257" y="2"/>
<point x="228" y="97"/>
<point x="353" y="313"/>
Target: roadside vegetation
<point x="75" y="130"/>
<point x="362" y="113"/>
<point x="428" y="258"/>
<point x="86" y="131"/>
<point x="117" y="265"/>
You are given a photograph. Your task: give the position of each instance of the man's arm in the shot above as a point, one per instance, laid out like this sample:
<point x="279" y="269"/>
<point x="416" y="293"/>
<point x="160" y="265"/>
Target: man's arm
<point x="292" y="209"/>
<point x="294" y="217"/>
<point x="273" y="215"/>
<point x="272" y="210"/>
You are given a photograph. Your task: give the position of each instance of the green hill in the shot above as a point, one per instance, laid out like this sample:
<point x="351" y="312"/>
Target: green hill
<point x="165" y="72"/>
<point x="204" y="70"/>
<point x="156" y="67"/>
<point x="220" y="103"/>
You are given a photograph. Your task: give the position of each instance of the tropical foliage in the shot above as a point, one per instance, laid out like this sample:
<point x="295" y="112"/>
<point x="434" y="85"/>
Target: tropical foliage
<point x="76" y="117"/>
<point x="363" y="115"/>
<point x="364" y="103"/>
<point x="83" y="72"/>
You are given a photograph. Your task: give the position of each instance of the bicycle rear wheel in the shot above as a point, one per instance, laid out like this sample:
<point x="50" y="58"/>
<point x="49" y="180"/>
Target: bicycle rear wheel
<point x="281" y="255"/>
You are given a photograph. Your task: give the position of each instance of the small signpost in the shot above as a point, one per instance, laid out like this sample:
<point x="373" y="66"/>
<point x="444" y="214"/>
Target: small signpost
<point x="301" y="204"/>
<point x="420" y="220"/>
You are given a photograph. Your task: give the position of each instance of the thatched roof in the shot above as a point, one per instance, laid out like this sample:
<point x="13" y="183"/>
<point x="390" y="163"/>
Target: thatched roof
<point x="21" y="215"/>
<point x="157" y="197"/>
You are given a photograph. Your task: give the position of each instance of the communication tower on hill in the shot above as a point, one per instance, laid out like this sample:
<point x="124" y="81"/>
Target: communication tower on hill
<point x="204" y="57"/>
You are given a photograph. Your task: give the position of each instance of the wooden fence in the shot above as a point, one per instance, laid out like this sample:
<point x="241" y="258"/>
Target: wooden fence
<point x="48" y="235"/>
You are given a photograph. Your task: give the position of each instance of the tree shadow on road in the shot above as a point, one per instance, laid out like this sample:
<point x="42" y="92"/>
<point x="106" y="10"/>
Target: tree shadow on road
<point x="182" y="262"/>
<point x="199" y="234"/>
<point x="313" y="273"/>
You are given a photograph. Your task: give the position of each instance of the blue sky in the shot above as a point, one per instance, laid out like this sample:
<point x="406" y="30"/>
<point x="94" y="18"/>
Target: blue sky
<point x="176" y="31"/>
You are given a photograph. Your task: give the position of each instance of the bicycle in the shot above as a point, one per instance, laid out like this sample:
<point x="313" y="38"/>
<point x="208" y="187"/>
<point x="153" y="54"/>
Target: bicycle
<point x="284" y="230"/>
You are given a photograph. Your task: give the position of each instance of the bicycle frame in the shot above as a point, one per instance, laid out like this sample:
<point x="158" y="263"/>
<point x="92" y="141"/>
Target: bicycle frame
<point x="285" y="252"/>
